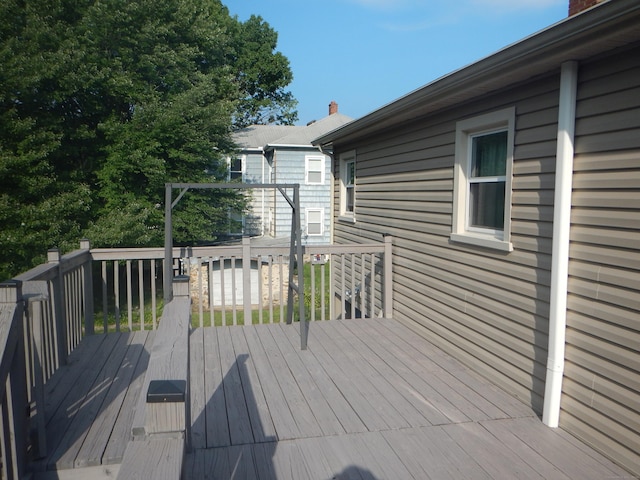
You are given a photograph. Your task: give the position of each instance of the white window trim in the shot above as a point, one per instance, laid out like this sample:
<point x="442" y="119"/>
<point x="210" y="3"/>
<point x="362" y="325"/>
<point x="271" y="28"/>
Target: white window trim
<point x="321" y="210"/>
<point x="345" y="159"/>
<point x="307" y="159"/>
<point x="465" y="129"/>
<point x="243" y="166"/>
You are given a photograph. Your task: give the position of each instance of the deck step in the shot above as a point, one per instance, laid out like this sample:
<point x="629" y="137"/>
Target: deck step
<point x="157" y="458"/>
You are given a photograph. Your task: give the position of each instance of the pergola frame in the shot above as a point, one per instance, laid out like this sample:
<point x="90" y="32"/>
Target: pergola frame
<point x="295" y="254"/>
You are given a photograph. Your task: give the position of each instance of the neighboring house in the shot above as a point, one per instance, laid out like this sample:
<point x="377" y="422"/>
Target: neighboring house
<point x="506" y="224"/>
<point x="284" y="155"/>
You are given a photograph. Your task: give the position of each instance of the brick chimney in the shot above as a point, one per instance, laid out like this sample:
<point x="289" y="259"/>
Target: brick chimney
<point x="576" y="6"/>
<point x="333" y="107"/>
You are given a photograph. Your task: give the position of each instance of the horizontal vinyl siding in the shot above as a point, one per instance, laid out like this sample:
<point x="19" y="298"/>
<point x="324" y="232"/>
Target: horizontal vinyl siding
<point x="260" y="201"/>
<point x="487" y="308"/>
<point x="601" y="392"/>
<point x="290" y="169"/>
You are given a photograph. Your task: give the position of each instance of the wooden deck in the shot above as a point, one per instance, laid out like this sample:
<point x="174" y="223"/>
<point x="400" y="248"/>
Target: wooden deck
<point x="368" y="400"/>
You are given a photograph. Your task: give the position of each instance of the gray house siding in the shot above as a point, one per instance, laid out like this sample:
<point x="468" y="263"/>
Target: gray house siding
<point x="290" y="168"/>
<point x="488" y="308"/>
<point x="601" y="389"/>
<point x="257" y="218"/>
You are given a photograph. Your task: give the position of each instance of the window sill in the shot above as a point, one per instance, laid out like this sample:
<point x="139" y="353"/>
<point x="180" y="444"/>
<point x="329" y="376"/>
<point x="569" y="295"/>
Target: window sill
<point x="482" y="241"/>
<point x="347" y="218"/>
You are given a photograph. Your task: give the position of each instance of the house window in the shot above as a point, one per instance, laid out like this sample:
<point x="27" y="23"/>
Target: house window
<point x="314" y="170"/>
<point x="348" y="185"/>
<point x="235" y="169"/>
<point x="482" y="180"/>
<point x="315" y="221"/>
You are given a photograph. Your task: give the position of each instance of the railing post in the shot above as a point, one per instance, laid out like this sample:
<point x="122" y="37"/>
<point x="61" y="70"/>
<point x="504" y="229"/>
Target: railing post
<point x="246" y="279"/>
<point x="181" y="286"/>
<point x="167" y="274"/>
<point x="36" y="293"/>
<point x="87" y="276"/>
<point x="59" y="310"/>
<point x="13" y="386"/>
<point x="387" y="277"/>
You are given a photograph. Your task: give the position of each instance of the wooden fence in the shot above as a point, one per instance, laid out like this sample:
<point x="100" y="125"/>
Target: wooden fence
<point x="45" y="312"/>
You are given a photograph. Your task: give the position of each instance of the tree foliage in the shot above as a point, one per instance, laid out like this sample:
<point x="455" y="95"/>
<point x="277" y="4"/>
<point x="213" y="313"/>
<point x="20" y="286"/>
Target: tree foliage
<point x="103" y="102"/>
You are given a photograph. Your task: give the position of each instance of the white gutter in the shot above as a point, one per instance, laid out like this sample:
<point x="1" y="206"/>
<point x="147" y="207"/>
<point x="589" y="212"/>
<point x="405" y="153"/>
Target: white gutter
<point x="560" y="243"/>
<point x="272" y="146"/>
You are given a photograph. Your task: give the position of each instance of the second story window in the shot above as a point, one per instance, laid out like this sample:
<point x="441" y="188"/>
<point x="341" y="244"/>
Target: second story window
<point x="235" y="169"/>
<point x="314" y="170"/>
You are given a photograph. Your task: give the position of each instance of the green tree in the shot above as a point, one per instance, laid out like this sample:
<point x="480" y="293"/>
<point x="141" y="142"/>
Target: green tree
<point x="262" y="76"/>
<point x="103" y="102"/>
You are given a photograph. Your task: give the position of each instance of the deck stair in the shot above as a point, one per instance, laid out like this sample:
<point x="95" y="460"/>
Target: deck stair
<point x="160" y="429"/>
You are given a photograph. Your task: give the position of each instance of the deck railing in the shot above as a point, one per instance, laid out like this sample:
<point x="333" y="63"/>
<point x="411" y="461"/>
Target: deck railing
<point x="226" y="282"/>
<point x="45" y="312"/>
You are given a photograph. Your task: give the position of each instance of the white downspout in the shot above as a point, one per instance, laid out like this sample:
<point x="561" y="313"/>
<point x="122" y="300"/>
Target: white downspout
<point x="560" y="243"/>
<point x="262" y="196"/>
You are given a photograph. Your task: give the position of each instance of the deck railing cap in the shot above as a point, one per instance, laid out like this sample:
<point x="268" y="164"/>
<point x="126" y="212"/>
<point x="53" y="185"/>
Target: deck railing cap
<point x="11" y="291"/>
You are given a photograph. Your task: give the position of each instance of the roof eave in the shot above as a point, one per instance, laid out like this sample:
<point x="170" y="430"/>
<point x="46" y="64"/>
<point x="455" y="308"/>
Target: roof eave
<point x="272" y="146"/>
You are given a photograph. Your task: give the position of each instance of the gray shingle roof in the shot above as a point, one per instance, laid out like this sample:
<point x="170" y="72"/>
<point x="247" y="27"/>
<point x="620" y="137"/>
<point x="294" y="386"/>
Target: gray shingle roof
<point x="261" y="136"/>
<point x="257" y="136"/>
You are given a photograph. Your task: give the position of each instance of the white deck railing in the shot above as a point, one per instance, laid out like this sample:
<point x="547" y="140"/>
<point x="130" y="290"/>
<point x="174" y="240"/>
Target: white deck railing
<point x="45" y="312"/>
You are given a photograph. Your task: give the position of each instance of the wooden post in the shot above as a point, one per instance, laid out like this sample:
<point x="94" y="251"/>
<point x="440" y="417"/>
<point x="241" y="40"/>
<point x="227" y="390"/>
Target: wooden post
<point x="181" y="286"/>
<point x="87" y="276"/>
<point x="13" y="387"/>
<point x="36" y="293"/>
<point x="388" y="277"/>
<point x="59" y="309"/>
<point x="167" y="274"/>
<point x="246" y="279"/>
<point x="304" y="325"/>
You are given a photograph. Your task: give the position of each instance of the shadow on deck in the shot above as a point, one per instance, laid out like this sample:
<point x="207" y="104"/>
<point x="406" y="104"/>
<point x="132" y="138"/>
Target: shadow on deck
<point x="368" y="399"/>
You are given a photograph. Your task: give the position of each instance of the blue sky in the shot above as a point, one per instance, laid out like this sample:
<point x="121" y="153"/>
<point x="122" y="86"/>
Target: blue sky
<point x="366" y="53"/>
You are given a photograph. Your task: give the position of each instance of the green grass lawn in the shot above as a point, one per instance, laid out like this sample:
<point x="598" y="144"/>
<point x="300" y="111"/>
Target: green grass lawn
<point x="218" y="319"/>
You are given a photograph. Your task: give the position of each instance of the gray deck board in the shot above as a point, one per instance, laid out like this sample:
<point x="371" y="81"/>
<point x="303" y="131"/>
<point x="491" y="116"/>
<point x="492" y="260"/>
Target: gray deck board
<point x="415" y="408"/>
<point x="299" y="407"/>
<point x="511" y="406"/>
<point x="261" y="422"/>
<point x="381" y="377"/>
<point x="418" y="375"/>
<point x="283" y="420"/>
<point x="157" y="458"/>
<point x="491" y="454"/>
<point x="65" y="425"/>
<point x="91" y="408"/>
<point x="237" y="413"/>
<point x="116" y="445"/>
<point x="217" y="424"/>
<point x="368" y="399"/>
<point x="323" y="416"/>
<point x="349" y="421"/>
<point x="466" y="400"/>
<point x="197" y="390"/>
<point x="351" y="383"/>
<point x="93" y="448"/>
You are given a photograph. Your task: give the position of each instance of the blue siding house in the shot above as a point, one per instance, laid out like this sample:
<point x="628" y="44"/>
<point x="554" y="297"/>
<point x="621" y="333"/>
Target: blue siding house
<point x="284" y="154"/>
